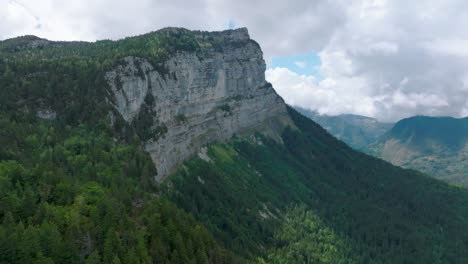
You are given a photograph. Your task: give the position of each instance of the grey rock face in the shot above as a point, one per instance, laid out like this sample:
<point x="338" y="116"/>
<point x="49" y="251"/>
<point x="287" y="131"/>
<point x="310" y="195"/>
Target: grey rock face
<point x="200" y="97"/>
<point x="46" y="114"/>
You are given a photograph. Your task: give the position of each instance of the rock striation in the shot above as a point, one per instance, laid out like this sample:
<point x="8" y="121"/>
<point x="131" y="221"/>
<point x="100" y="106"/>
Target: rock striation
<point x="197" y="97"/>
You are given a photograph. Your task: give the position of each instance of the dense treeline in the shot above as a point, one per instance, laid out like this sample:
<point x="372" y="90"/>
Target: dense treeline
<point x="363" y="209"/>
<point x="69" y="77"/>
<point x="305" y="238"/>
<point x="156" y="46"/>
<point x="79" y="188"/>
<point x="74" y="195"/>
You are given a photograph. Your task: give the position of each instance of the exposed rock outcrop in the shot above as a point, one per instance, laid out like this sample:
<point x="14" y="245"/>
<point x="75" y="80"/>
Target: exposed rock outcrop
<point x="198" y="97"/>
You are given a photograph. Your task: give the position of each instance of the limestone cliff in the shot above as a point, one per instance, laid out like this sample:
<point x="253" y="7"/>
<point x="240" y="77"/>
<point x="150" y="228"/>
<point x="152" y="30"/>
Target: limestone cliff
<point x="196" y="97"/>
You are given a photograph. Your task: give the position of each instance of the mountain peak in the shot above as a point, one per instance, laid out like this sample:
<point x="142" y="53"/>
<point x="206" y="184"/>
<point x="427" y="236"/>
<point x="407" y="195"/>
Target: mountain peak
<point x="434" y="145"/>
<point x="178" y="89"/>
<point x="233" y="34"/>
<point x="23" y="42"/>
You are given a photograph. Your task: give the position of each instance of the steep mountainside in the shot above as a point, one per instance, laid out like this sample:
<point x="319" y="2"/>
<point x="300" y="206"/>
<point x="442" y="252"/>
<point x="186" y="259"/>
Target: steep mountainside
<point x="313" y="199"/>
<point x="435" y="145"/>
<point x="209" y="88"/>
<point x="355" y="130"/>
<point x="171" y="147"/>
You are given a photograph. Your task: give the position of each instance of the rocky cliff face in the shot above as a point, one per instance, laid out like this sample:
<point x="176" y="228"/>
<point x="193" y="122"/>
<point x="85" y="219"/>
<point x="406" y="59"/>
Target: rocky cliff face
<point x="195" y="98"/>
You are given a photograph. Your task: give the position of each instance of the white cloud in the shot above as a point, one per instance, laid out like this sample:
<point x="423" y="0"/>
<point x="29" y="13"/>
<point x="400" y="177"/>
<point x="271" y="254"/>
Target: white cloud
<point x="398" y="58"/>
<point x="98" y="19"/>
<point x="15" y="19"/>
<point x="450" y="47"/>
<point x="300" y="64"/>
<point x="324" y="96"/>
<point x="387" y="59"/>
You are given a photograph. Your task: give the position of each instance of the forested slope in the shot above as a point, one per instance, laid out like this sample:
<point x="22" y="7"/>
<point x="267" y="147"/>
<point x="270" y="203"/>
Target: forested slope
<point x="74" y="195"/>
<point x="437" y="146"/>
<point x="315" y="199"/>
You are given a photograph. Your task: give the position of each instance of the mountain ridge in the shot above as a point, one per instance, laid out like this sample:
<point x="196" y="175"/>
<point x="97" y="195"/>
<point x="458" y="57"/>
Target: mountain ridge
<point x="211" y="87"/>
<point x="417" y="128"/>
<point x="435" y="145"/>
<point x="356" y="130"/>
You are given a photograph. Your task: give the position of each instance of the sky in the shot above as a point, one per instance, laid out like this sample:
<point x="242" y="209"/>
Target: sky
<point x="387" y="59"/>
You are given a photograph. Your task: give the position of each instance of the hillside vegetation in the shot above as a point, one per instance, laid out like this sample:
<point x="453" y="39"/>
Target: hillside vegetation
<point x="315" y="199"/>
<point x="355" y="130"/>
<point x="77" y="187"/>
<point x="437" y="146"/>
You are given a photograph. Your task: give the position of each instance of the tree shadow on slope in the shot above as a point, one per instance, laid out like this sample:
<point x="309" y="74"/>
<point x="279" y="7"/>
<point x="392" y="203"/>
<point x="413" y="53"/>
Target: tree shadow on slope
<point x="383" y="213"/>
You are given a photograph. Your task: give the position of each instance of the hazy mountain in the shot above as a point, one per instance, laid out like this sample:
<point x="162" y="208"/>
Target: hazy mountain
<point x="171" y="147"/>
<point x="435" y="145"/>
<point x="355" y="130"/>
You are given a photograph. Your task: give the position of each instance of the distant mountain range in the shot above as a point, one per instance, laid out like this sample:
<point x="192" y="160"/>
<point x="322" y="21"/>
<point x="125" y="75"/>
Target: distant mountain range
<point x="355" y="130"/>
<point x="437" y="146"/>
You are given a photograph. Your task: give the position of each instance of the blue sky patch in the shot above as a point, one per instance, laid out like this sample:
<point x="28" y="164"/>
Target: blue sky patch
<point x="304" y="64"/>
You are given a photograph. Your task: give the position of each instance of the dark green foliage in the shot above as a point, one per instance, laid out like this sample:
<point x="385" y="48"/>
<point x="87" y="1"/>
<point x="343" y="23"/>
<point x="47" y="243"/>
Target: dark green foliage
<point x="434" y="145"/>
<point x="75" y="189"/>
<point x="157" y="46"/>
<point x="144" y="124"/>
<point x="74" y="195"/>
<point x="419" y="131"/>
<point x="355" y="130"/>
<point x="69" y="77"/>
<point x="225" y="108"/>
<point x="73" y="87"/>
<point x="72" y="191"/>
<point x="375" y="212"/>
<point x="181" y="118"/>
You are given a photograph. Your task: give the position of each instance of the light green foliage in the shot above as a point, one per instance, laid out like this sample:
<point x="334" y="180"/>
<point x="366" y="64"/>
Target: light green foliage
<point x="305" y="238"/>
<point x="75" y="195"/>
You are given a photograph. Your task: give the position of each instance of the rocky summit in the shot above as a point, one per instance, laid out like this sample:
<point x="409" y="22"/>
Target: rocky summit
<point x="179" y="89"/>
<point x="197" y="96"/>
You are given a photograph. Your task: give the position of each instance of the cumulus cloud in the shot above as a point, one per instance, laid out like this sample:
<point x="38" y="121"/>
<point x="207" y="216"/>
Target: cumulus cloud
<point x="300" y="64"/>
<point x="390" y="60"/>
<point x="281" y="27"/>
<point x="324" y="95"/>
<point x="386" y="59"/>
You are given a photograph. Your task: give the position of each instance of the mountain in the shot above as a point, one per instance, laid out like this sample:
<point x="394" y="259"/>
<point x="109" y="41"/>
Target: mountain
<point x="171" y="147"/>
<point x="191" y="88"/>
<point x="355" y="130"/>
<point x="434" y="145"/>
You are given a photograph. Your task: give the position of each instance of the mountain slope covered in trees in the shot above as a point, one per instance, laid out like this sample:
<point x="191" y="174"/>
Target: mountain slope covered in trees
<point x="355" y="130"/>
<point x="314" y="194"/>
<point x="76" y="185"/>
<point x="437" y="146"/>
<point x="434" y="145"/>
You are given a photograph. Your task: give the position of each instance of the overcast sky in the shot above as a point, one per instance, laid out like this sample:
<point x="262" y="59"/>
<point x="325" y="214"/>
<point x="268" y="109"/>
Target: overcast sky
<point x="386" y="59"/>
